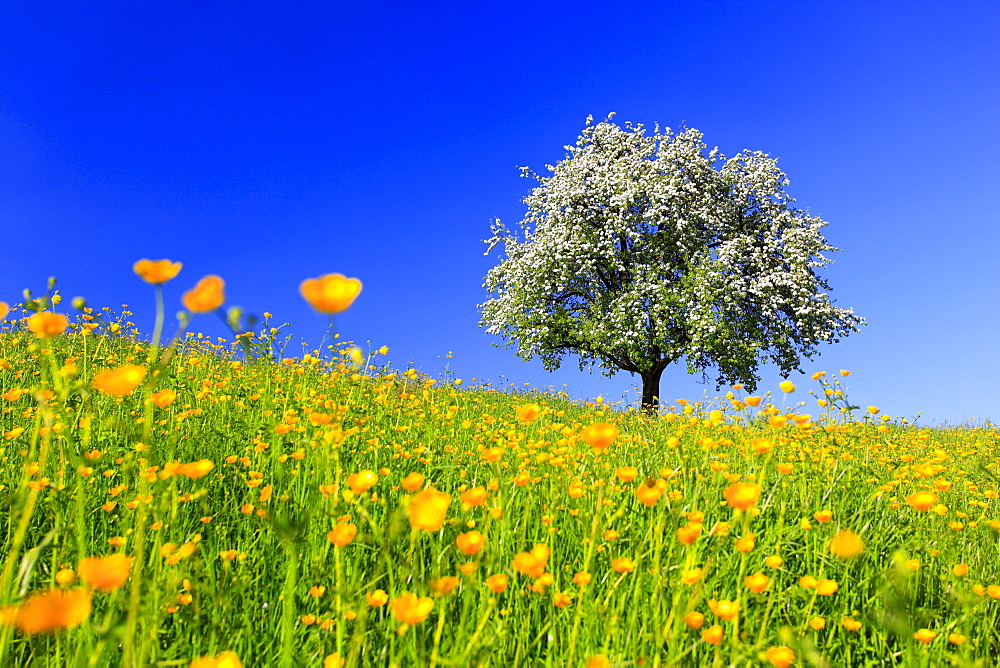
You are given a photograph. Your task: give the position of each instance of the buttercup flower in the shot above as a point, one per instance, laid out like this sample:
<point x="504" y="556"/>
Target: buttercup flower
<point x="742" y="495"/>
<point x="156" y="272"/>
<point x="600" y="435"/>
<point x="105" y="573"/>
<point x="119" y="382"/>
<point x="408" y="609"/>
<point x="206" y="296"/>
<point x="47" y="325"/>
<point x="330" y="293"/>
<point x="48" y="611"/>
<point x="846" y="544"/>
<point x="428" y="509"/>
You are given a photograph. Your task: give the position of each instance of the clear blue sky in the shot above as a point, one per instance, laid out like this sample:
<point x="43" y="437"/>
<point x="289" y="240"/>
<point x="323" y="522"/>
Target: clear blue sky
<point x="270" y="142"/>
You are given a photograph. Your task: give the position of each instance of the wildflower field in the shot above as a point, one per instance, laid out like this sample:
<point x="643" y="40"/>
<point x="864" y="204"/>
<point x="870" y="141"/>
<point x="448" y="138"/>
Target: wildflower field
<point x="206" y="503"/>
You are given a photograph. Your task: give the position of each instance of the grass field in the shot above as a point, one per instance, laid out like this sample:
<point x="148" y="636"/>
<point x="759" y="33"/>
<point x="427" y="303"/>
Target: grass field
<point x="191" y="506"/>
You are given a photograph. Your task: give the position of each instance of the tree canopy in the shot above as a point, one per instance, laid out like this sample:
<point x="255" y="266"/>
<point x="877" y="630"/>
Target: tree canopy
<point x="640" y="251"/>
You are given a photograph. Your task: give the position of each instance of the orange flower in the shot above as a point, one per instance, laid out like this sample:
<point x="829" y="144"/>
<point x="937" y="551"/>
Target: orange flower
<point x="650" y="491"/>
<point x="4" y="310"/>
<point x="780" y="657"/>
<point x="412" y="482"/>
<point x="47" y="325"/>
<point x="206" y="296"/>
<point x="622" y="565"/>
<point x="228" y="659"/>
<point x="753" y="401"/>
<point x="826" y="587"/>
<point x="690" y="576"/>
<point x="195" y="470"/>
<point x="527" y="412"/>
<point x="49" y="610"/>
<point x="156" y="272"/>
<point x="163" y="398"/>
<point x="377" y="598"/>
<point x="626" y="473"/>
<point x="784" y="468"/>
<point x="922" y="501"/>
<point x="474" y="497"/>
<point x="471" y="542"/>
<point x="105" y="573"/>
<point x="561" y="600"/>
<point x="330" y="293"/>
<point x="846" y="544"/>
<point x="757" y="582"/>
<point x="689" y="533"/>
<point x="823" y="516"/>
<point x="598" y="661"/>
<point x="428" y="509"/>
<point x="532" y="563"/>
<point x="724" y="610"/>
<point x="694" y="619"/>
<point x="342" y="534"/>
<point x="746" y="543"/>
<point x="497" y="583"/>
<point x="409" y="609"/>
<point x="119" y="382"/>
<point x="600" y="435"/>
<point x="742" y="495"/>
<point x="712" y="635"/>
<point x="362" y="481"/>
<point x="774" y="561"/>
<point x="925" y="635"/>
<point x="444" y="585"/>
<point x="850" y="623"/>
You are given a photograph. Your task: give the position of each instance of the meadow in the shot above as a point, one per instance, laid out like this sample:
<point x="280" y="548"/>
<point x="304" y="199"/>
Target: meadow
<point x="203" y="502"/>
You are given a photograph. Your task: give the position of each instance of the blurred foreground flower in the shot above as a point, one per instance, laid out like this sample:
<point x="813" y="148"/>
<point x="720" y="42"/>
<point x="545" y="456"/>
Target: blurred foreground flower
<point x="846" y="544"/>
<point x="428" y="509"/>
<point x="49" y="611"/>
<point x="225" y="660"/>
<point x="156" y="272"/>
<point x="411" y="610"/>
<point x="119" y="382"/>
<point x="4" y="310"/>
<point x="47" y="325"/>
<point x="331" y="293"/>
<point x="600" y="435"/>
<point x="105" y="573"/>
<point x="742" y="495"/>
<point x="206" y="296"/>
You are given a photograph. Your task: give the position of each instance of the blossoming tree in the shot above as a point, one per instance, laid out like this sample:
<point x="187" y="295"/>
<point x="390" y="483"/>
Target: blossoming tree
<point x="640" y="251"/>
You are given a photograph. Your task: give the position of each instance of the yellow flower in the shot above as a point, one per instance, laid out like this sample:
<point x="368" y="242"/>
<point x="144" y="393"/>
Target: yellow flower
<point x="757" y="582"/>
<point x="650" y="491"/>
<point x="846" y="544"/>
<point x="960" y="570"/>
<point x="622" y="565"/>
<point x="532" y="563"/>
<point x="330" y="293"/>
<point x="785" y="468"/>
<point x="956" y="638"/>
<point x="688" y="533"/>
<point x="527" y="412"/>
<point x="471" y="542"/>
<point x="626" y="473"/>
<point x="690" y="576"/>
<point x="377" y="598"/>
<point x="746" y="543"/>
<point x="753" y="401"/>
<point x="781" y="657"/>
<point x="156" y="272"/>
<point x="105" y="573"/>
<point x="817" y="623"/>
<point x="497" y="583"/>
<point x="428" y="509"/>
<point x="163" y="398"/>
<point x="823" y="516"/>
<point x="49" y="610"/>
<point x="924" y="635"/>
<point x="694" y="619"/>
<point x="4" y="310"/>
<point x="408" y="609"/>
<point x="412" y="482"/>
<point x="598" y="661"/>
<point x="119" y="382"/>
<point x="600" y="435"/>
<point x="724" y="610"/>
<point x="787" y="386"/>
<point x="922" y="501"/>
<point x="774" y="561"/>
<point x="474" y="497"/>
<point x="342" y="534"/>
<point x="742" y="495"/>
<point x="850" y="623"/>
<point x="206" y="296"/>
<point x="47" y="325"/>
<point x="228" y="659"/>
<point x="826" y="587"/>
<point x="362" y="481"/>
<point x="712" y="635"/>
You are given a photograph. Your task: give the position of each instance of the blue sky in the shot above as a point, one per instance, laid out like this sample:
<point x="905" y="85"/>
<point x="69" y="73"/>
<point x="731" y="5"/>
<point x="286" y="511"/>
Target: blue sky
<point x="271" y="142"/>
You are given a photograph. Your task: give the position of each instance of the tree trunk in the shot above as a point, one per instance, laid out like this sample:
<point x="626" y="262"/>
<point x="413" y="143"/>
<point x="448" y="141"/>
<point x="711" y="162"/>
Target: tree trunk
<point x="651" y="391"/>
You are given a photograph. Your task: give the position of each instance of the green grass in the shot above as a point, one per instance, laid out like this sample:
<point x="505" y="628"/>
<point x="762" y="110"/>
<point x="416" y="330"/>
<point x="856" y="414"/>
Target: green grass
<point x="68" y="452"/>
